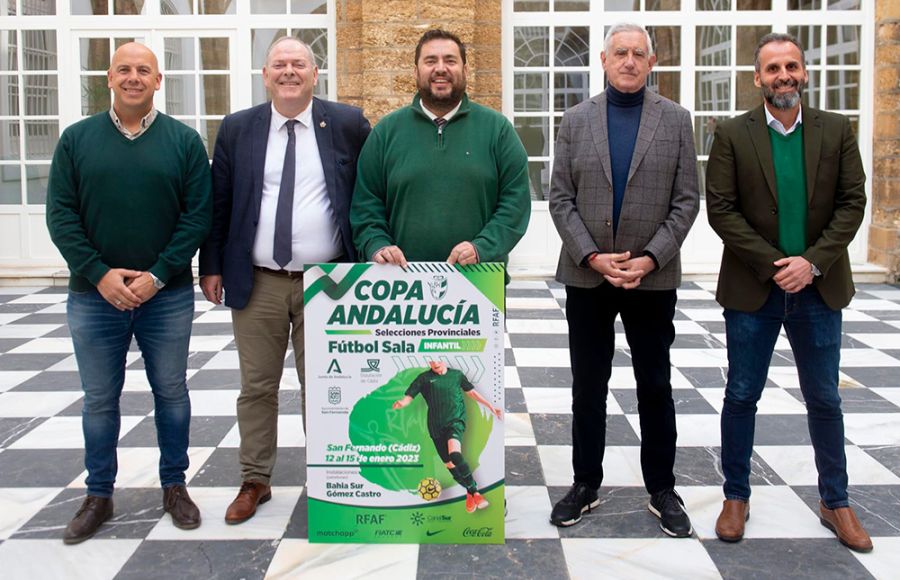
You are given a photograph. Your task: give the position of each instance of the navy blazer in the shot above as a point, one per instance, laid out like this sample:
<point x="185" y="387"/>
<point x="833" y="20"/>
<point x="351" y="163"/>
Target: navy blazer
<point x="238" y="166"/>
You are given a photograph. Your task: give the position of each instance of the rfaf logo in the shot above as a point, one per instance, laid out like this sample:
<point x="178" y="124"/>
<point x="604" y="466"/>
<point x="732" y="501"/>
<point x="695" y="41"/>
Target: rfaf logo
<point x="374" y="366"/>
<point x="438" y="287"/>
<point x="334" y="395"/>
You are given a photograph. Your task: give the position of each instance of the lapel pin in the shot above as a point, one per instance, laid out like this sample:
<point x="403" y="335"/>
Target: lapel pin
<point x="323" y="124"/>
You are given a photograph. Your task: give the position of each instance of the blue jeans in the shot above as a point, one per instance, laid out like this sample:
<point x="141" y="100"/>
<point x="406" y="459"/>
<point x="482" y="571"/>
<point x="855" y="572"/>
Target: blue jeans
<point x="101" y="336"/>
<point x="814" y="332"/>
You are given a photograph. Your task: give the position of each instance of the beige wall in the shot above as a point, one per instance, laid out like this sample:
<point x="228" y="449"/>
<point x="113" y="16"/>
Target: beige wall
<point x="884" y="233"/>
<point x="376" y="41"/>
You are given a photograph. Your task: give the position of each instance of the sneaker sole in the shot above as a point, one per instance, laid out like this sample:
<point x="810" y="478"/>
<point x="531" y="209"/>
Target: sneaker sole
<point x="567" y="523"/>
<point x="261" y="501"/>
<point x="665" y="530"/>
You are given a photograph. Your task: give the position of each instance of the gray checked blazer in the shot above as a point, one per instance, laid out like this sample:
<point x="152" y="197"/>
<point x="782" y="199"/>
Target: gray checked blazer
<point x="661" y="197"/>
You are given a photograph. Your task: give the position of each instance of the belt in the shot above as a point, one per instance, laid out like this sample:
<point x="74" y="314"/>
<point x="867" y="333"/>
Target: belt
<point x="283" y="273"/>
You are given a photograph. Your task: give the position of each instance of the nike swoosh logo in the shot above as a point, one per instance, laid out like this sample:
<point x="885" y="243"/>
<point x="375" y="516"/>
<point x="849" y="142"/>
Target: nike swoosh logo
<point x="430" y="533"/>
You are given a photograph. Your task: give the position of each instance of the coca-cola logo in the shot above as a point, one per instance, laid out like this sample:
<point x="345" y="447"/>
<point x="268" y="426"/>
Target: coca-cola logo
<point x="482" y="532"/>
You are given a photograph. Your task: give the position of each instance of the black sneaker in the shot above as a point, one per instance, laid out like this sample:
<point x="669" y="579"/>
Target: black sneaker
<point x="668" y="506"/>
<point x="567" y="511"/>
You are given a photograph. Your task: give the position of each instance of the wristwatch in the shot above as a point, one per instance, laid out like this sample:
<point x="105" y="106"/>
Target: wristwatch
<point x="157" y="283"/>
<point x="815" y="271"/>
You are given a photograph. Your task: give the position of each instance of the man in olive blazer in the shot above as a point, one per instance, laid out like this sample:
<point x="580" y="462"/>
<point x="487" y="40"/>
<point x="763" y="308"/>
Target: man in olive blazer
<point x="785" y="191"/>
<point x="623" y="196"/>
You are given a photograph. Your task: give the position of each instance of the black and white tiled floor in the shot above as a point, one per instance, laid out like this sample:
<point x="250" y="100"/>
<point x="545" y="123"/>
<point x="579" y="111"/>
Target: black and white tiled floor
<point x="41" y="471"/>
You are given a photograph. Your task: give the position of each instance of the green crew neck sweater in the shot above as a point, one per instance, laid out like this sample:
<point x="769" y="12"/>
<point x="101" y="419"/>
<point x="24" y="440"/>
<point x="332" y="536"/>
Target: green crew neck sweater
<point x="790" y="183"/>
<point x="142" y="204"/>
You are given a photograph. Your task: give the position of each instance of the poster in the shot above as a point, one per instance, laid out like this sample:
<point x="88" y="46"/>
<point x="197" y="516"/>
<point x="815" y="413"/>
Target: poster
<point x="404" y="371"/>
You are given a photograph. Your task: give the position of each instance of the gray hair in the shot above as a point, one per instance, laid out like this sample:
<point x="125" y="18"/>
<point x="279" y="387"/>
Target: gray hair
<point x="280" y="39"/>
<point x="627" y="27"/>
<point x="777" y="37"/>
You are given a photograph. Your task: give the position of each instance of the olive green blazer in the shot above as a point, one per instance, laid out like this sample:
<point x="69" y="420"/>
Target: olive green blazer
<point x="742" y="204"/>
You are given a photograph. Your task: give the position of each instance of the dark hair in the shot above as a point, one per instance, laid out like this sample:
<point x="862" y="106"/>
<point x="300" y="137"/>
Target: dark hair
<point x="436" y="34"/>
<point x="777" y="37"/>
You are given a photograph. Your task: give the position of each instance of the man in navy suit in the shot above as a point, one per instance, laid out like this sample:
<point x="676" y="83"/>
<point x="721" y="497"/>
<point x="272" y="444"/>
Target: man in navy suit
<point x="283" y="174"/>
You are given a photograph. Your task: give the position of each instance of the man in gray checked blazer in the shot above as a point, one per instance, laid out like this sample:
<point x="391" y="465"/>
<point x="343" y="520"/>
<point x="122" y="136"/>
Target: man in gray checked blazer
<point x="623" y="196"/>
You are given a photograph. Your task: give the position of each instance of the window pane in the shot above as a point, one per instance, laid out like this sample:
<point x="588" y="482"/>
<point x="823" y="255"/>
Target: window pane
<point x="535" y="134"/>
<point x="268" y="7"/>
<point x="309" y="7"/>
<point x="532" y="46"/>
<point x="128" y="6"/>
<point x="531" y="92"/>
<point x="843" y="89"/>
<point x="747" y="39"/>
<point x="810" y="38"/>
<point x="217" y="6"/>
<point x="260" y="41"/>
<point x="622" y="5"/>
<point x="41" y="95"/>
<point x="9" y="140"/>
<point x="170" y="7"/>
<point x="38" y="7"/>
<point x="843" y="44"/>
<point x="666" y="44"/>
<point x="531" y="6"/>
<point x="666" y="83"/>
<point x="94" y="53"/>
<point x="843" y="4"/>
<point x="812" y="90"/>
<point x="180" y="95"/>
<point x="754" y="4"/>
<point x="180" y="54"/>
<point x="714" y="45"/>
<point x="95" y="95"/>
<point x="39" y="49"/>
<point x="572" y="47"/>
<point x="713" y="4"/>
<point x="90" y="7"/>
<point x="215" y="95"/>
<point x="209" y="129"/>
<point x="36" y="183"/>
<point x="214" y="53"/>
<point x="9" y="59"/>
<point x="653" y="5"/>
<point x="572" y="5"/>
<point x="748" y="94"/>
<point x="10" y="184"/>
<point x="40" y="139"/>
<point x="539" y="179"/>
<point x="804" y="4"/>
<point x="704" y="133"/>
<point x="701" y="181"/>
<point x="321" y="89"/>
<point x="570" y="89"/>
<point x="713" y="91"/>
<point x="258" y="89"/>
<point x="9" y="95"/>
<point x="317" y="39"/>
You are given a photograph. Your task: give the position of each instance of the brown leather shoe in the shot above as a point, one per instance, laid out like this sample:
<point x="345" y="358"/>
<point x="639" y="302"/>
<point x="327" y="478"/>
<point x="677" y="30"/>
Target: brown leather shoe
<point x="185" y="513"/>
<point x="92" y="513"/>
<point x="243" y="507"/>
<point x="842" y="521"/>
<point x="730" y="525"/>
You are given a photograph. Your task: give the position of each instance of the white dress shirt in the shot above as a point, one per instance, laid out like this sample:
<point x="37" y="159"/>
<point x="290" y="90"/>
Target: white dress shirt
<point x="447" y="117"/>
<point x="771" y="121"/>
<point x="316" y="237"/>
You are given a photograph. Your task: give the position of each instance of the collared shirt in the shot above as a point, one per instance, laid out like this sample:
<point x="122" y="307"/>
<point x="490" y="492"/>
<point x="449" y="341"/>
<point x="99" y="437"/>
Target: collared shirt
<point x="447" y="117"/>
<point x="316" y="237"/>
<point x="771" y="121"/>
<point x="146" y="121"/>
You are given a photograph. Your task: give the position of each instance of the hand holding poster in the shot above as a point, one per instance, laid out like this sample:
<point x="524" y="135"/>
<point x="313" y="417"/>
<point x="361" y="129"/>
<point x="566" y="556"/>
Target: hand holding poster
<point x="404" y="403"/>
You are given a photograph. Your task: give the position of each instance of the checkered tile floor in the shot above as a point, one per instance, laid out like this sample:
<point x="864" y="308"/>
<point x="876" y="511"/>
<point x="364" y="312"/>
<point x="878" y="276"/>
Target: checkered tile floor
<point x="41" y="471"/>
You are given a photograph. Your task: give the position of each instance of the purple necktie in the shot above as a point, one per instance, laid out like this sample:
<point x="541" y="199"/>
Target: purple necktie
<point x="284" y="229"/>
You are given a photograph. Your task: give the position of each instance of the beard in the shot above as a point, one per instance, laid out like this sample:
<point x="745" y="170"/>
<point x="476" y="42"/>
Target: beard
<point x="783" y="101"/>
<point x="457" y="88"/>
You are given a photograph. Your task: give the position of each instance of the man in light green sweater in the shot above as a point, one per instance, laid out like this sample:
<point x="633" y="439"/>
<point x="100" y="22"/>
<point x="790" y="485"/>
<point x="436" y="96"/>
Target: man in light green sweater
<point x="128" y="204"/>
<point x="443" y="178"/>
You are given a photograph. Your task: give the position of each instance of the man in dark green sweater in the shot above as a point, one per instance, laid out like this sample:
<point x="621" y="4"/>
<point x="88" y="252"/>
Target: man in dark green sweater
<point x="128" y="204"/>
<point x="443" y="388"/>
<point x="443" y="178"/>
<point x="785" y="190"/>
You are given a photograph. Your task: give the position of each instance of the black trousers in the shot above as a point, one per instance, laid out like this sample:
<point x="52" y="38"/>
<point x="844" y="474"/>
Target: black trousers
<point x="647" y="316"/>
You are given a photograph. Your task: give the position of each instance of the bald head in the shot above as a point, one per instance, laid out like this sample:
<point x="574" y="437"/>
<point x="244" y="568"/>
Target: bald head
<point x="134" y="77"/>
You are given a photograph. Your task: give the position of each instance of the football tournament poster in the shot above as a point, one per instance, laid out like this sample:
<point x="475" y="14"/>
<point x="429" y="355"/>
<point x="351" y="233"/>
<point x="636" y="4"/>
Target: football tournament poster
<point x="404" y="403"/>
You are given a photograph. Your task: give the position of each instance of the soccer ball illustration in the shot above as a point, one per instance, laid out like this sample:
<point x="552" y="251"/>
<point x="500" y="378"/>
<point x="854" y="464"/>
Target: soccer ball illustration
<point x="429" y="489"/>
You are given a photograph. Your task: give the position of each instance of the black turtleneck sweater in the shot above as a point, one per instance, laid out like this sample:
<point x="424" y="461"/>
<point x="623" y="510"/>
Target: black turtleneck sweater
<point x="623" y="114"/>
